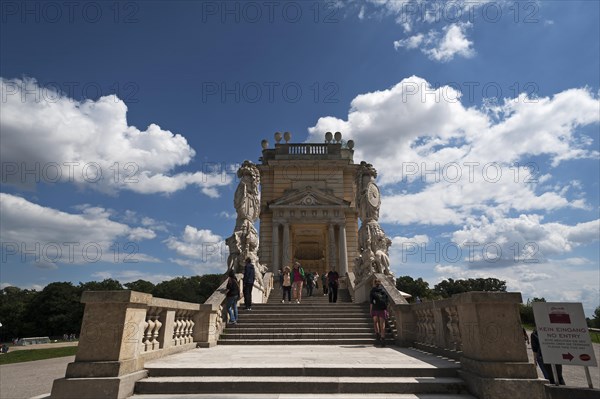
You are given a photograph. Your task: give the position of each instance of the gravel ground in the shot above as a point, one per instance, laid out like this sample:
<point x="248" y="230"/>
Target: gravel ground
<point x="24" y="380"/>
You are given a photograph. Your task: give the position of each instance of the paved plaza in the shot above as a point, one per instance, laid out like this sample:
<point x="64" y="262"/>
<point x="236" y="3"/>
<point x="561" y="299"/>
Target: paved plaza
<point x="302" y="356"/>
<point x="25" y="380"/>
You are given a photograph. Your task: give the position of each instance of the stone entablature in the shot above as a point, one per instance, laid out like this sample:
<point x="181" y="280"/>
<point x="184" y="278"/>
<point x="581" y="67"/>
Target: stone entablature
<point x="310" y="205"/>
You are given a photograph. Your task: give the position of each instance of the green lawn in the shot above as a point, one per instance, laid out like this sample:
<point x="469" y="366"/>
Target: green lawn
<point x="28" y="355"/>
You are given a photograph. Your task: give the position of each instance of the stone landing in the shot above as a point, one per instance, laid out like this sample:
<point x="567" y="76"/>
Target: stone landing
<point x="283" y="371"/>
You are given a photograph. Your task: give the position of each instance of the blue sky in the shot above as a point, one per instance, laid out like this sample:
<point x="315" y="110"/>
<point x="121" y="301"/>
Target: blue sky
<point x="498" y="100"/>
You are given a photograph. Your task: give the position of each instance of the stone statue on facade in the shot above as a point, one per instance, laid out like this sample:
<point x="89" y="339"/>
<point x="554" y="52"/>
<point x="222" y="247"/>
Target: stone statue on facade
<point x="372" y="241"/>
<point x="243" y="243"/>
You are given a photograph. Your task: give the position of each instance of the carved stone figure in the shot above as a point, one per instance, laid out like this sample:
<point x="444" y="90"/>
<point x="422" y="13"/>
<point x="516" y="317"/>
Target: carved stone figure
<point x="244" y="242"/>
<point x="368" y="198"/>
<point x="373" y="243"/>
<point x="247" y="198"/>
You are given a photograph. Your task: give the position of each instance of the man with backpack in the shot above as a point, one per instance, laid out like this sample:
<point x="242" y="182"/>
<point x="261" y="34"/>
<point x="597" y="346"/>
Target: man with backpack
<point x="378" y="301"/>
<point x="332" y="279"/>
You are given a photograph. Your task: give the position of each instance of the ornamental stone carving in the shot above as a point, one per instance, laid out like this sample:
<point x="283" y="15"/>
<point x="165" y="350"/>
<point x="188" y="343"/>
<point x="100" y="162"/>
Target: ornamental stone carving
<point x="243" y="243"/>
<point x="372" y="241"/>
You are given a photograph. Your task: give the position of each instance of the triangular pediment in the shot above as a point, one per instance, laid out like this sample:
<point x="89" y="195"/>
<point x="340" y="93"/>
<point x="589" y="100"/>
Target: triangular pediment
<point x="308" y="197"/>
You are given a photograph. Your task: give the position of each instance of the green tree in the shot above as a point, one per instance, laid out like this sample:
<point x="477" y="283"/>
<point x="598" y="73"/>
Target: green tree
<point x="14" y="303"/>
<point x="447" y="288"/>
<point x="595" y="322"/>
<point x="108" y="284"/>
<point x="208" y="284"/>
<point x="417" y="287"/>
<point x="195" y="289"/>
<point x="140" y="286"/>
<point x="526" y="310"/>
<point x="56" y="310"/>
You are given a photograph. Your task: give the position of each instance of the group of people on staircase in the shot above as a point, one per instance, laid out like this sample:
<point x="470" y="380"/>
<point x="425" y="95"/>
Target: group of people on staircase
<point x="292" y="280"/>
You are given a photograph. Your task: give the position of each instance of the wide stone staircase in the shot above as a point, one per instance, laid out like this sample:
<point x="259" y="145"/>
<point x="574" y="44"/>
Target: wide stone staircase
<point x="261" y="357"/>
<point x="314" y="321"/>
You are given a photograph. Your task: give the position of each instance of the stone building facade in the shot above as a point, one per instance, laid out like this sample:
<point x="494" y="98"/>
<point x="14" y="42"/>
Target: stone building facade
<point x="308" y="205"/>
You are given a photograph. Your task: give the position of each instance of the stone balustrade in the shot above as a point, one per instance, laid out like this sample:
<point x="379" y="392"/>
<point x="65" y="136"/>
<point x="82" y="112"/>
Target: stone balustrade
<point x="482" y="330"/>
<point x="305" y="149"/>
<point x="293" y="151"/>
<point x="121" y="330"/>
<point x="216" y="312"/>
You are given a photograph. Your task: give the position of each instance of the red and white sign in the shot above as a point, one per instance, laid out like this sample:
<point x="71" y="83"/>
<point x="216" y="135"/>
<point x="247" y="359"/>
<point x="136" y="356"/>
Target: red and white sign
<point x="563" y="333"/>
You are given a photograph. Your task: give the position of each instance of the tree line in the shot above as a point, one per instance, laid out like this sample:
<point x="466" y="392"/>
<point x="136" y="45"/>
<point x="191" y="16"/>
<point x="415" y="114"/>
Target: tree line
<point x="56" y="310"/>
<point x="447" y="288"/>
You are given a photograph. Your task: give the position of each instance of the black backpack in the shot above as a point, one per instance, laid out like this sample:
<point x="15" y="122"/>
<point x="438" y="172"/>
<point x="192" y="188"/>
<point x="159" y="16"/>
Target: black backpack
<point x="380" y="299"/>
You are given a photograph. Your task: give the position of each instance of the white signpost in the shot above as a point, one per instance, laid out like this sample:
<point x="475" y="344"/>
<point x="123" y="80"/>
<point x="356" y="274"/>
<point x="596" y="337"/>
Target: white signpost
<point x="563" y="334"/>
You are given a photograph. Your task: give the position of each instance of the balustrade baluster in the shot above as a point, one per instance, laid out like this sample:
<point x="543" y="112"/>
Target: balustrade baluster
<point x="144" y="329"/>
<point x="156" y="330"/>
<point x="148" y="333"/>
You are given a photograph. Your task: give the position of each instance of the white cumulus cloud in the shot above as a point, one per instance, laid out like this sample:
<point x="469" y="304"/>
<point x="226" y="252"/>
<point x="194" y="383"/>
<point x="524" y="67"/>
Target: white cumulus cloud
<point x="456" y="162"/>
<point x="47" y="237"/>
<point x="49" y="137"/>
<point x="200" y="249"/>
<point x="441" y="46"/>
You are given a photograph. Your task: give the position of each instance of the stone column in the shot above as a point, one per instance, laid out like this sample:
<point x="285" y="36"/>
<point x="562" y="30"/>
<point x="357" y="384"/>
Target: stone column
<point x="343" y="251"/>
<point x="285" y="253"/>
<point x="331" y="242"/>
<point x="275" y="246"/>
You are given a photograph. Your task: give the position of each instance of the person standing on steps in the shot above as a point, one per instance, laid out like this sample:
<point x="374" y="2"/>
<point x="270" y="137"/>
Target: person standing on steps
<point x="249" y="277"/>
<point x="332" y="278"/>
<point x="378" y="301"/>
<point x="233" y="296"/>
<point x="287" y="285"/>
<point x="324" y="283"/>
<point x="310" y="283"/>
<point x="539" y="360"/>
<point x="297" y="281"/>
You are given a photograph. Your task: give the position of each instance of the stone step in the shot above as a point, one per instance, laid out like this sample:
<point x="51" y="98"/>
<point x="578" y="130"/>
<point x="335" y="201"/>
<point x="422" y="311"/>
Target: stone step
<point x="334" y="323"/>
<point x="304" y="312"/>
<point x="311" y="371"/>
<point x="241" y="329"/>
<point x="299" y="312"/>
<point x="299" y="384"/>
<point x="287" y="320"/>
<point x="276" y="336"/>
<point x="304" y="305"/>
<point x="303" y="341"/>
<point x="303" y="316"/>
<point x="303" y="396"/>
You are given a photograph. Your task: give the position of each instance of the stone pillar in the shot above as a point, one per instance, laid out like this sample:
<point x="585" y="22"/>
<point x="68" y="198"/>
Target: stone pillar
<point x="107" y="360"/>
<point x="286" y="253"/>
<point x="494" y="359"/>
<point x="343" y="251"/>
<point x="275" y="245"/>
<point x="331" y="246"/>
